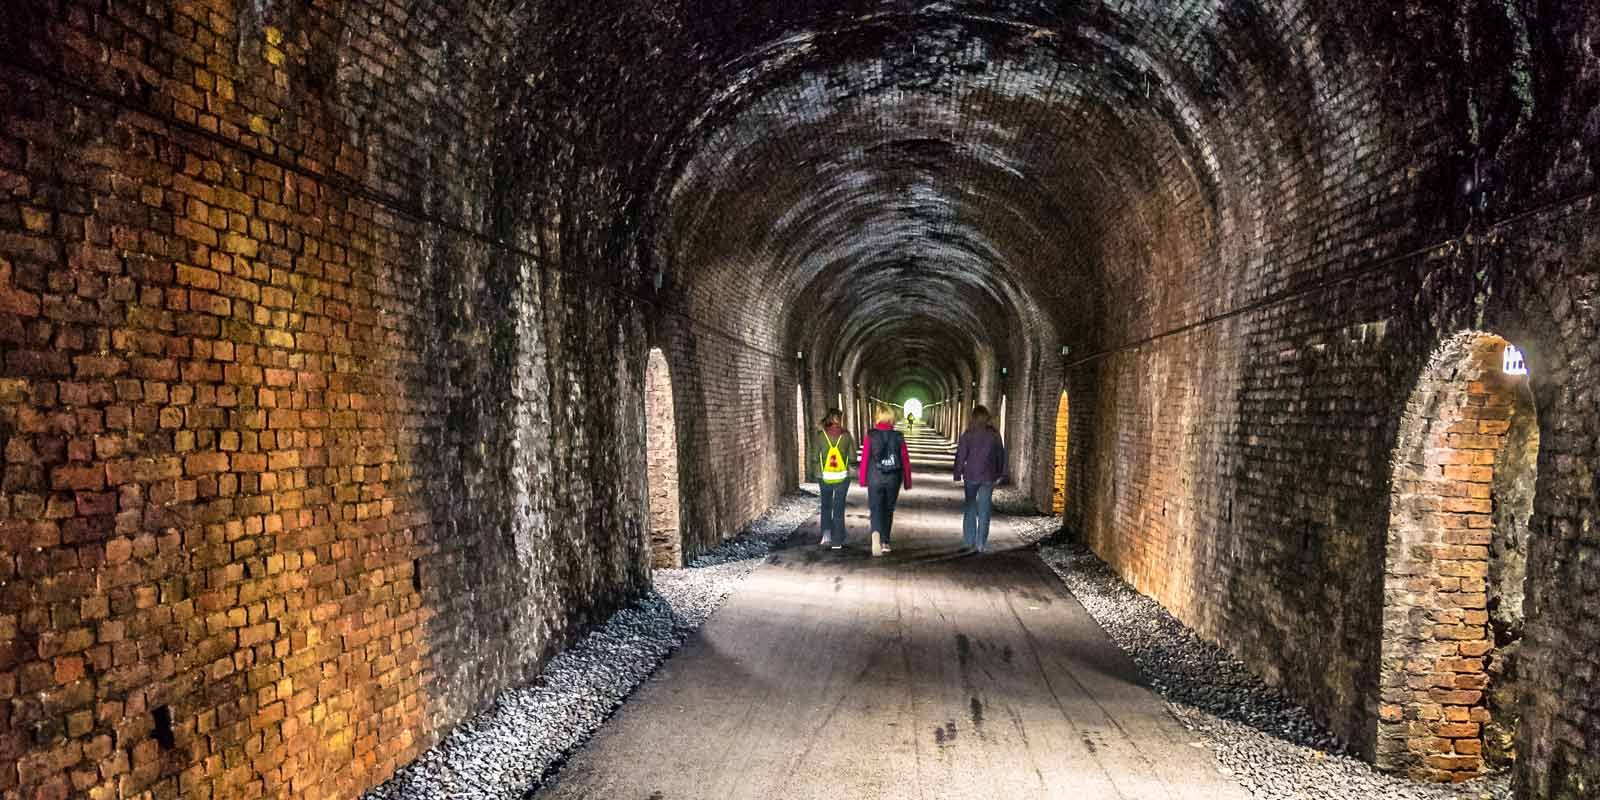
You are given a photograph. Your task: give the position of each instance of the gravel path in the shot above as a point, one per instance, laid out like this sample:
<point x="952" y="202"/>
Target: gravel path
<point x="1268" y="743"/>
<point x="506" y="751"/>
<point x="1013" y="500"/>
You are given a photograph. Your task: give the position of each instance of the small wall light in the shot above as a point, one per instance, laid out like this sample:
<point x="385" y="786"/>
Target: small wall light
<point x="1514" y="363"/>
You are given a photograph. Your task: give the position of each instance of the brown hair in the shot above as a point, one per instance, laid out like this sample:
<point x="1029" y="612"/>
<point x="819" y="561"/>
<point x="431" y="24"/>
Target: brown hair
<point x="980" y="416"/>
<point x="833" y="418"/>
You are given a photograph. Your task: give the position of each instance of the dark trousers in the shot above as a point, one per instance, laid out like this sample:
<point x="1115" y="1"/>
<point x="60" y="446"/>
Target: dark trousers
<point x="975" y="523"/>
<point x="880" y="502"/>
<point x="833" y="495"/>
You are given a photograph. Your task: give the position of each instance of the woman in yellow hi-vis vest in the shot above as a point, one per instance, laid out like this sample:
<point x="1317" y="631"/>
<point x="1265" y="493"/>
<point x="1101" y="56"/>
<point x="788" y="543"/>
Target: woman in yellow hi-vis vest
<point x="832" y="451"/>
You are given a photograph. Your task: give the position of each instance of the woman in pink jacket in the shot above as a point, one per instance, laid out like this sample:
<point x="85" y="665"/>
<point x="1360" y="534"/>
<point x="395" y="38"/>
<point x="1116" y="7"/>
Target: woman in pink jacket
<point x="885" y="467"/>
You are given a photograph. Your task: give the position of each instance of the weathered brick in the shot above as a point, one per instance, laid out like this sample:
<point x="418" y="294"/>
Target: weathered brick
<point x="205" y="463"/>
<point x="78" y="477"/>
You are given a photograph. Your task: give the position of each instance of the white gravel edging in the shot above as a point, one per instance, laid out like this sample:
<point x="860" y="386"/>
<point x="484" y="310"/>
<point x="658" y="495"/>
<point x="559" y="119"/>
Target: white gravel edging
<point x="1265" y="741"/>
<point x="508" y="750"/>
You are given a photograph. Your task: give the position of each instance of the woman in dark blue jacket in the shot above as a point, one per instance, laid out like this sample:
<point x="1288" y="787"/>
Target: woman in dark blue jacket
<point x="981" y="462"/>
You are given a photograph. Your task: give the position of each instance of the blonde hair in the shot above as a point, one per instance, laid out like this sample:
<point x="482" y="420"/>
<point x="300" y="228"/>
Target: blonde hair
<point x="885" y="413"/>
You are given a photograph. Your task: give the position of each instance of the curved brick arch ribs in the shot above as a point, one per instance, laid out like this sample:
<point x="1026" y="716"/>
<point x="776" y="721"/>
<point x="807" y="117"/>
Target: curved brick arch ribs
<point x="1456" y="565"/>
<point x="303" y="345"/>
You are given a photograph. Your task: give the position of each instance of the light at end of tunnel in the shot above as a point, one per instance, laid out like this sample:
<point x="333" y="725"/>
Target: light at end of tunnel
<point x="914" y="408"/>
<point x="1514" y="363"/>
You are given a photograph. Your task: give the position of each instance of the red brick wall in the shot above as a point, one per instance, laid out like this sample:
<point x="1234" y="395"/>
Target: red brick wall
<point x="296" y="458"/>
<point x="1243" y="401"/>
<point x="736" y="423"/>
<point x="394" y="251"/>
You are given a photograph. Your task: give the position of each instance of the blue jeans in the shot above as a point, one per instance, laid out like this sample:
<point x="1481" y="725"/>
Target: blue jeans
<point x="880" y="503"/>
<point x="979" y="506"/>
<point x="833" y="495"/>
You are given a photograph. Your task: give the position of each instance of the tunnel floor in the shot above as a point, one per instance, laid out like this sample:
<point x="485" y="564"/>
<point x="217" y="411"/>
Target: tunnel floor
<point x="926" y="673"/>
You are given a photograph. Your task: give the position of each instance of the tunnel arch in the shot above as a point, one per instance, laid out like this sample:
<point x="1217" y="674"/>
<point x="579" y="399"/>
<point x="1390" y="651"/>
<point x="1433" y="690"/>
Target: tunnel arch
<point x="1464" y="472"/>
<point x="881" y="200"/>
<point x="380" y="249"/>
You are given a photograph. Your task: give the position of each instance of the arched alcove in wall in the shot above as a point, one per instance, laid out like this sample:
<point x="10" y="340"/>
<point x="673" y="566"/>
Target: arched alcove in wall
<point x="800" y="433"/>
<point x="1464" y="473"/>
<point x="1058" y="494"/>
<point x="661" y="441"/>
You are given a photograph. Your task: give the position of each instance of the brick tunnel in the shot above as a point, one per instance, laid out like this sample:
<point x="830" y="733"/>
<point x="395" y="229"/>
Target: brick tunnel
<point x="419" y="399"/>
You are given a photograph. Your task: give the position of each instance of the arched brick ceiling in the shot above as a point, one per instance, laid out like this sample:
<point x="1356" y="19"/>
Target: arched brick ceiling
<point x="1060" y="171"/>
<point x="943" y="175"/>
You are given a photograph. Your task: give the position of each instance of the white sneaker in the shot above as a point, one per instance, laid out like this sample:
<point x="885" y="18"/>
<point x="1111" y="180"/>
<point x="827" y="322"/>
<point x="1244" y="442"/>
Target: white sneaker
<point x="877" y="544"/>
<point x="885" y="549"/>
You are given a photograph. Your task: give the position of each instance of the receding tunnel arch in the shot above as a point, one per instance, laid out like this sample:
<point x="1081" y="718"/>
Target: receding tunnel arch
<point x="958" y="216"/>
<point x="903" y="229"/>
<point x="368" y="300"/>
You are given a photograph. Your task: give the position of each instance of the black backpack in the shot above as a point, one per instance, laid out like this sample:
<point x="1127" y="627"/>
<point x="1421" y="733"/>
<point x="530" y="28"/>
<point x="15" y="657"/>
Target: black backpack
<point x="886" y="451"/>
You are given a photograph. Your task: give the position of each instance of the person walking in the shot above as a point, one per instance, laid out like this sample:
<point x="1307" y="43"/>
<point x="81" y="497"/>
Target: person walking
<point x="832" y="448"/>
<point x="885" y="467"/>
<point x="981" y="463"/>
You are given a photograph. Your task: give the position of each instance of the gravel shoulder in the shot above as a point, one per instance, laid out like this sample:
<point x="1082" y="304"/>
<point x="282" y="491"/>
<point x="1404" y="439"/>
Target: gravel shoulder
<point x="506" y="751"/>
<point x="1267" y="742"/>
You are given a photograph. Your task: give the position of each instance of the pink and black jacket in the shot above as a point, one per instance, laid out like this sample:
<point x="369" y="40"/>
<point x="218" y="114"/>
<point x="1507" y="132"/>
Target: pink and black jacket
<point x="866" y="455"/>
